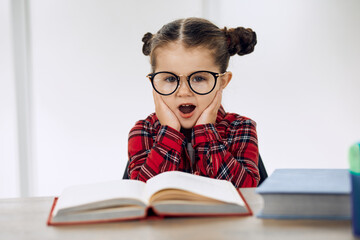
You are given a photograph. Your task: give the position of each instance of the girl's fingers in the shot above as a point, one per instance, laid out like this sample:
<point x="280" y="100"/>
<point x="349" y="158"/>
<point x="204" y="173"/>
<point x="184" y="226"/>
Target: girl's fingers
<point x="215" y="105"/>
<point x="219" y="99"/>
<point x="159" y="104"/>
<point x="210" y="113"/>
<point x="155" y="97"/>
<point x="164" y="113"/>
<point x="159" y="101"/>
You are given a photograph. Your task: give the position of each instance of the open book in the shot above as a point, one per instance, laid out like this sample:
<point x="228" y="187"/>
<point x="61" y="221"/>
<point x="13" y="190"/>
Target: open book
<point x="167" y="194"/>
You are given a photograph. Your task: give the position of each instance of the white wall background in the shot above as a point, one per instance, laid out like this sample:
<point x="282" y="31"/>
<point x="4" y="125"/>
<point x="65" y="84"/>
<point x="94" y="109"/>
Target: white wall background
<point x="301" y="84"/>
<point x="9" y="184"/>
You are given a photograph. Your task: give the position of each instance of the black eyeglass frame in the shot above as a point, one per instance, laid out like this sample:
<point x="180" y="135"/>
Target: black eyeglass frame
<point x="152" y="75"/>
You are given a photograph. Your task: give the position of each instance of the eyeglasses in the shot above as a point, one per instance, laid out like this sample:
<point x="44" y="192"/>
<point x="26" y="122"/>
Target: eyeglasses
<point x="200" y="82"/>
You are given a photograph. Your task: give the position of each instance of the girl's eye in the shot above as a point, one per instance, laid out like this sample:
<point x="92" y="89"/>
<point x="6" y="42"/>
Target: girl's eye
<point x="198" y="79"/>
<point x="170" y="79"/>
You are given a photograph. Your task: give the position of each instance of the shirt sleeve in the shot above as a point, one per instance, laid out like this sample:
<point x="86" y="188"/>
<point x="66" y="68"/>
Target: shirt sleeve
<point x="235" y="159"/>
<point x="148" y="156"/>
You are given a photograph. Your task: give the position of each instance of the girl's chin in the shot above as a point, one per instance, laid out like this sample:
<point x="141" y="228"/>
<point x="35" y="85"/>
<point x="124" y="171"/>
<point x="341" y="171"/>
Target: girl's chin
<point x="188" y="124"/>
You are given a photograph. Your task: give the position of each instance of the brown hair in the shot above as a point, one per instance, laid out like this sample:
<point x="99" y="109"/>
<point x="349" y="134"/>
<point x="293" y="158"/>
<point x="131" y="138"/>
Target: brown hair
<point x="195" y="32"/>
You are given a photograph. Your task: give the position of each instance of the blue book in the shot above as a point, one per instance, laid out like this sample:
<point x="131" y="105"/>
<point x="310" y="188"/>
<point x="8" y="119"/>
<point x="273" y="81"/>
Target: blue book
<point x="306" y="194"/>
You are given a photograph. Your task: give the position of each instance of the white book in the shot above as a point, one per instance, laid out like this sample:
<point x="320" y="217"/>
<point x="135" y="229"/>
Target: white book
<point x="171" y="193"/>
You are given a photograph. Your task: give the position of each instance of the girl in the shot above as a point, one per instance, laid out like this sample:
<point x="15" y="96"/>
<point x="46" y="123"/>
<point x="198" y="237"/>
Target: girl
<point x="190" y="130"/>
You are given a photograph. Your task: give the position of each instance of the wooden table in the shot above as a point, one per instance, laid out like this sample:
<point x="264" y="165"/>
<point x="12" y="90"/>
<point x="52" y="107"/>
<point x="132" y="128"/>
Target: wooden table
<point x="25" y="218"/>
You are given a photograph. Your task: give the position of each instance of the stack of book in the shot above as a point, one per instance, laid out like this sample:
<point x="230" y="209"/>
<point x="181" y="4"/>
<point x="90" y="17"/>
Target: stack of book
<point x="306" y="194"/>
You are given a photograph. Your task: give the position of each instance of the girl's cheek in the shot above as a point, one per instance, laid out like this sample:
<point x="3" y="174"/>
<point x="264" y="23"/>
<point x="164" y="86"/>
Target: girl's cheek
<point x="205" y="101"/>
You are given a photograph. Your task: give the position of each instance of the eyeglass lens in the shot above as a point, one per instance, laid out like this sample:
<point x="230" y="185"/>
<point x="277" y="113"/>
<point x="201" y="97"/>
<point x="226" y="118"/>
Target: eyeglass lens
<point x="200" y="82"/>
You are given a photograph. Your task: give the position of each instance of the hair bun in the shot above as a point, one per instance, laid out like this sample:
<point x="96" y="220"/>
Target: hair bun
<point x="147" y="43"/>
<point x="241" y="40"/>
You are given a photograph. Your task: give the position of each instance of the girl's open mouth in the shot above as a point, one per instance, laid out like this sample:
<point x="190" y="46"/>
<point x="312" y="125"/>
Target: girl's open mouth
<point x="187" y="110"/>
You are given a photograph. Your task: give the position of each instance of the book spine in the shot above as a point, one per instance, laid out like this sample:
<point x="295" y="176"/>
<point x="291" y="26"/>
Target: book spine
<point x="355" y="200"/>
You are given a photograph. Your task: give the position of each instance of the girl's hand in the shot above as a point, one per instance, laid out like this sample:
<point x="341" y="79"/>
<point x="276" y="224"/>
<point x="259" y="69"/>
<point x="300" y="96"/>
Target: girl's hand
<point x="210" y="113"/>
<point x="164" y="113"/>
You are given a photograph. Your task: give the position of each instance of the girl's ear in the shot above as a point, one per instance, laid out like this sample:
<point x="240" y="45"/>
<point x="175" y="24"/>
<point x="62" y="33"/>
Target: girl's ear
<point x="225" y="80"/>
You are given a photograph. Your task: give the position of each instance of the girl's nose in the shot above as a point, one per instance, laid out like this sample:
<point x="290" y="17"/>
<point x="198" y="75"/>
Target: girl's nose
<point x="184" y="89"/>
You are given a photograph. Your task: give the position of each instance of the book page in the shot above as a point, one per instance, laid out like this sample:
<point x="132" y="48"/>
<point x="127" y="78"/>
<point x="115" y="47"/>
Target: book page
<point x="91" y="193"/>
<point x="221" y="190"/>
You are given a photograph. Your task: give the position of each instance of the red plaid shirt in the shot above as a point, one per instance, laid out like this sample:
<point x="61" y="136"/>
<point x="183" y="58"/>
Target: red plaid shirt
<point x="227" y="150"/>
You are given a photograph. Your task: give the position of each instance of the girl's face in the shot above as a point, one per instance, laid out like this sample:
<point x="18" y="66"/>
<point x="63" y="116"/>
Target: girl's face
<point x="175" y="58"/>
